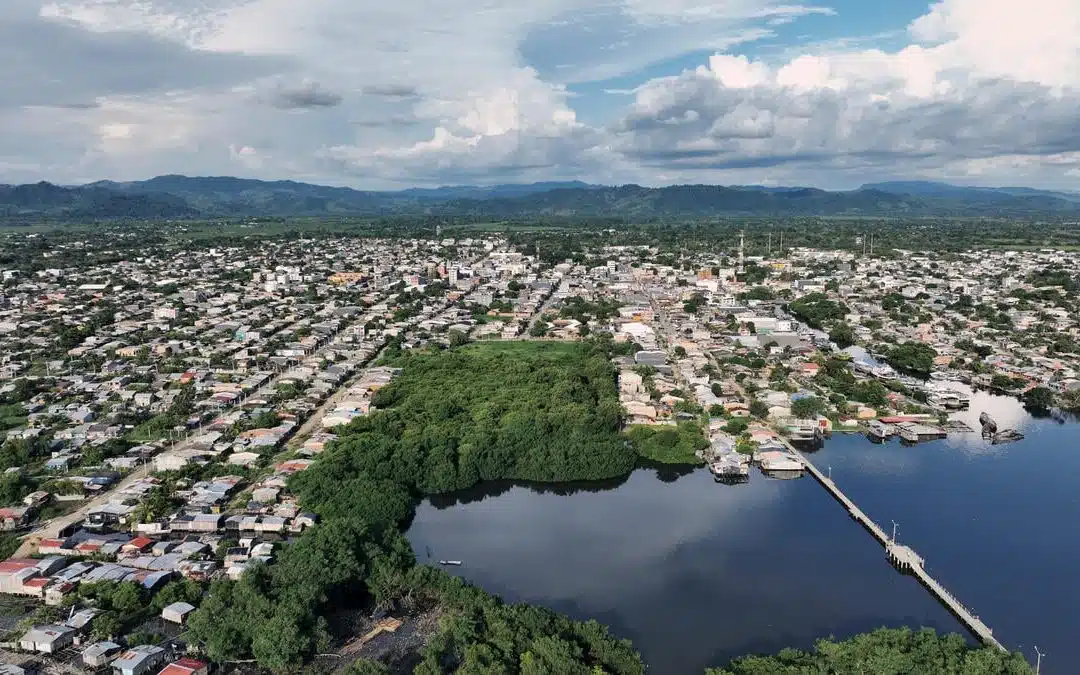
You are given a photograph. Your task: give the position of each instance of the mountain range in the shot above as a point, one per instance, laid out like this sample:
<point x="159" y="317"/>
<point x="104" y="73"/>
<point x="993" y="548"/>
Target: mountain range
<point x="182" y="197"/>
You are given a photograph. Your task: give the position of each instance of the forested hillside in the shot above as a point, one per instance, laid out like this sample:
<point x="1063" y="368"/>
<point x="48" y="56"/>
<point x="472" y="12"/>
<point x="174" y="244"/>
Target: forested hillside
<point x="214" y="197"/>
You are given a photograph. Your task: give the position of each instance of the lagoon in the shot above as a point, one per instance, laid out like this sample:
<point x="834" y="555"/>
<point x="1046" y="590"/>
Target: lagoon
<point x="696" y="572"/>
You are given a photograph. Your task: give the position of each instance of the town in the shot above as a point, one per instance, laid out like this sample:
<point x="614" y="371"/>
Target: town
<point x="155" y="406"/>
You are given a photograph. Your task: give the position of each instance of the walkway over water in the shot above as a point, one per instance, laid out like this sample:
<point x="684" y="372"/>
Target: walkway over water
<point x="904" y="557"/>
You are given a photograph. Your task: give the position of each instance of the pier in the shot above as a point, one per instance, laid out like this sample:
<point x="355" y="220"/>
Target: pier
<point x="903" y="557"/>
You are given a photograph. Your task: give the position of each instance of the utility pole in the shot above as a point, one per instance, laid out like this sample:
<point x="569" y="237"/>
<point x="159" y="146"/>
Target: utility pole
<point x="742" y="251"/>
<point x="1038" y="660"/>
<point x="781" y="243"/>
<point x="770" y="246"/>
<point x="871" y="244"/>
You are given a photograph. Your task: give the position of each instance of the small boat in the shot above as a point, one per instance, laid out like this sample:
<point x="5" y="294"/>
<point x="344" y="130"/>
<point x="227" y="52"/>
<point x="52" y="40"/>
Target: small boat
<point x="453" y="563"/>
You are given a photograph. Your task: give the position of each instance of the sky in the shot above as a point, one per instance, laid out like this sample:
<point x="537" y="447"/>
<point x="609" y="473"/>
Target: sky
<point x="378" y="94"/>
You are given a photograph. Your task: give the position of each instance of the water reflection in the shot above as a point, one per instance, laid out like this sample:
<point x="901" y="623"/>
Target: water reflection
<point x="1007" y="411"/>
<point x="693" y="571"/>
<point x="696" y="572"/>
<point x="498" y="488"/>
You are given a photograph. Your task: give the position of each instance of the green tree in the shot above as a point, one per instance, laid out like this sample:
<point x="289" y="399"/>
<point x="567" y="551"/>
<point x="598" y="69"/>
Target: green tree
<point x="808" y="408"/>
<point x="367" y="667"/>
<point x="842" y="334"/>
<point x="871" y="392"/>
<point x="912" y="357"/>
<point x="885" y="651"/>
<point x="457" y="338"/>
<point x="1039" y="398"/>
<point x="737" y="425"/>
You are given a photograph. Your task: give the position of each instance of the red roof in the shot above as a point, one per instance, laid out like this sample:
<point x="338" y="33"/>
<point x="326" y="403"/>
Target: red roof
<point x="139" y="543"/>
<point x="63" y="587"/>
<point x="51" y="543"/>
<point x="12" y="565"/>
<point x="36" y="582"/>
<point x="185" y="666"/>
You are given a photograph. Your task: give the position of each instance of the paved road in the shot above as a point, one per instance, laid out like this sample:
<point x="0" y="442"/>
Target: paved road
<point x="52" y="528"/>
<point x="312" y="423"/>
<point x="539" y="313"/>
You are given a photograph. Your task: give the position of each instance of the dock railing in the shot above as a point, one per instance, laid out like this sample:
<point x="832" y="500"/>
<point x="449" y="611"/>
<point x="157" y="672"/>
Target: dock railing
<point x="904" y="557"/>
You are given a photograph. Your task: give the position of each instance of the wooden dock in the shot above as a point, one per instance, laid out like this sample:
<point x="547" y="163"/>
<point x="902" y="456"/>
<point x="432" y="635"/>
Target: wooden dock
<point x="904" y="557"/>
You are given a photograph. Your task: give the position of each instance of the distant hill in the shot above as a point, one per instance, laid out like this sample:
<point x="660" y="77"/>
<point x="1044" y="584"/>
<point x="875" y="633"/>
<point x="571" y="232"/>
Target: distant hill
<point x="494" y="191"/>
<point x="224" y="196"/>
<point x="228" y="196"/>
<point x="635" y="201"/>
<point x="88" y="202"/>
<point x="947" y="191"/>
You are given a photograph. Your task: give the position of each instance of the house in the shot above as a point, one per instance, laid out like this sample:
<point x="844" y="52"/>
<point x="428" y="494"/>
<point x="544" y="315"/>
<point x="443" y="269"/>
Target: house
<point x="186" y="666"/>
<point x="14" y="517"/>
<point x="138" y="660"/>
<point x="177" y="612"/>
<point x="137" y="545"/>
<point x="99" y="654"/>
<point x="37" y="499"/>
<point x="61" y="463"/>
<point x="108" y="516"/>
<point x="48" y="639"/>
<point x="244" y="458"/>
<point x="15" y="573"/>
<point x="80" y="622"/>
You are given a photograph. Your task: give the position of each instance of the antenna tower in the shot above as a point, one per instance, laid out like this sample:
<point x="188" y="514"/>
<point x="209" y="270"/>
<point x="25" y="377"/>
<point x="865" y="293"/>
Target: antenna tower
<point x="742" y="251"/>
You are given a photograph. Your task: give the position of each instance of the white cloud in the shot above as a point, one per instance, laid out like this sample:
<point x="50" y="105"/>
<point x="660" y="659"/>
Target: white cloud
<point x="384" y="94"/>
<point x="1033" y="40"/>
<point x="975" y="99"/>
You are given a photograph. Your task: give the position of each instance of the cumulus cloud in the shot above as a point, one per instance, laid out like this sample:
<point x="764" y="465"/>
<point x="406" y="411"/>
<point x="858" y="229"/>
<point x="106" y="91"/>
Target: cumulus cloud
<point x="956" y="102"/>
<point x="52" y="61"/>
<point x="452" y="90"/>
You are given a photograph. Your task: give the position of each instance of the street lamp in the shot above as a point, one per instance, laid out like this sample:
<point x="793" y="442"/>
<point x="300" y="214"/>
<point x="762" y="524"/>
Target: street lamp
<point x="894" y="526"/>
<point x="1038" y="660"/>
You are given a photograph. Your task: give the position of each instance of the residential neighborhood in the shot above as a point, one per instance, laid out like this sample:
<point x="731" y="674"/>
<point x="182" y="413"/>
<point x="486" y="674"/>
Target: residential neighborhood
<point x="154" y="409"/>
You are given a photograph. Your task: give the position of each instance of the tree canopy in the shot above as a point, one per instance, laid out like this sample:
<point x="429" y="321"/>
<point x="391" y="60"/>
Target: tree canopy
<point x="912" y="357"/>
<point x="885" y="651"/>
<point x="817" y="310"/>
<point x="533" y="411"/>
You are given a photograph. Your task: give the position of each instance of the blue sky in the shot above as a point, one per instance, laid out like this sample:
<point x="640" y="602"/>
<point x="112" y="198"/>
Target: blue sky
<point x="879" y="25"/>
<point x="428" y="92"/>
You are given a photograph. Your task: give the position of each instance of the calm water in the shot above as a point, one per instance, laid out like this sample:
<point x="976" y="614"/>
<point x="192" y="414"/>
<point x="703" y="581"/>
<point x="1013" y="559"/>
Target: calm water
<point x="695" y="572"/>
